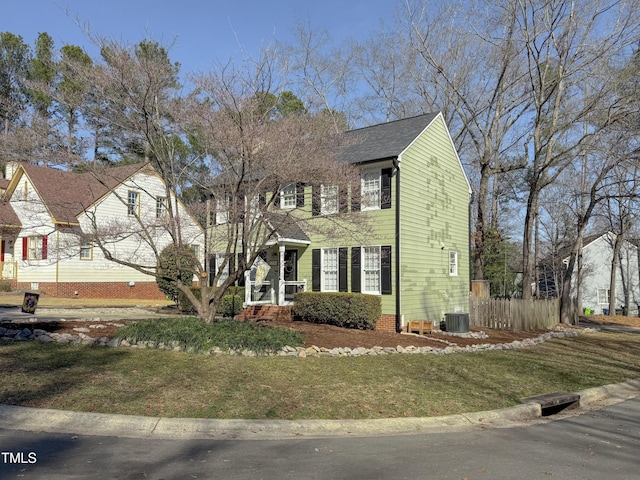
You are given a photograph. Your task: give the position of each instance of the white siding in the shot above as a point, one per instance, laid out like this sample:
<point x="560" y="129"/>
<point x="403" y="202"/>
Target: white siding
<point x="129" y="240"/>
<point x="596" y="275"/>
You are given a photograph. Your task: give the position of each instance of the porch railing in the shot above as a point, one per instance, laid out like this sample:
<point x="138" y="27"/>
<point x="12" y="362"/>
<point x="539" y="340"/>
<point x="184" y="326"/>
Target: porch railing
<point x="266" y="295"/>
<point x="293" y="287"/>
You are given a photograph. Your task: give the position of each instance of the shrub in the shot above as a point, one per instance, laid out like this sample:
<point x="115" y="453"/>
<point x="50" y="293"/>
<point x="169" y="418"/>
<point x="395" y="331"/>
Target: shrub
<point x="193" y="335"/>
<point x="169" y="272"/>
<point x="230" y="305"/>
<point x="184" y="304"/>
<point x="349" y="310"/>
<point x="5" y="287"/>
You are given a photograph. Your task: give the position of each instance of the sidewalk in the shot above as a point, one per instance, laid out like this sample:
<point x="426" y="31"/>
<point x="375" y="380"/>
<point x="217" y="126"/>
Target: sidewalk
<point x="58" y="421"/>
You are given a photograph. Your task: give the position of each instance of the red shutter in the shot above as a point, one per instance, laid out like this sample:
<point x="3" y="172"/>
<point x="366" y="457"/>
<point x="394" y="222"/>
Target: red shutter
<point x="44" y="247"/>
<point x="2" y="252"/>
<point x="25" y="247"/>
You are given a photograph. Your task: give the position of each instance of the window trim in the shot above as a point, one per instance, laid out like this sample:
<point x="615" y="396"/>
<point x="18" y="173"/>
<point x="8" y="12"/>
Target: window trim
<point x="42" y="248"/>
<point x="335" y="270"/>
<point x="161" y="206"/>
<point x="453" y="263"/>
<point x="135" y="205"/>
<point x="607" y="295"/>
<point x="288" y="196"/>
<point x="365" y="205"/>
<point x="367" y="271"/>
<point x="85" y="246"/>
<point x="329" y="193"/>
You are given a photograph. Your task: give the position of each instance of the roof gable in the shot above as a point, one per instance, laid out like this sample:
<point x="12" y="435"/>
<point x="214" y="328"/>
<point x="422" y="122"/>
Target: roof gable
<point x="385" y="140"/>
<point x="66" y="194"/>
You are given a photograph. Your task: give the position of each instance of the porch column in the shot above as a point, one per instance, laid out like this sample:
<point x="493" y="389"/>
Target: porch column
<point x="280" y="274"/>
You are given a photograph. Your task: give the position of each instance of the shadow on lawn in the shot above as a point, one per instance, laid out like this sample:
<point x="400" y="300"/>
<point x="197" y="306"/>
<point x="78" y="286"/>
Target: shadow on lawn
<point x="41" y="372"/>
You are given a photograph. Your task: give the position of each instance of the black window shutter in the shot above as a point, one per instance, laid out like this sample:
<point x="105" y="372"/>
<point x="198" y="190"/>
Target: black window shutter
<point x="315" y="270"/>
<point x="315" y="200"/>
<point x="343" y="261"/>
<point x="355" y="269"/>
<point x="385" y="269"/>
<point x="241" y="264"/>
<point x="385" y="188"/>
<point x="343" y="200"/>
<point x="276" y="199"/>
<point x="299" y="195"/>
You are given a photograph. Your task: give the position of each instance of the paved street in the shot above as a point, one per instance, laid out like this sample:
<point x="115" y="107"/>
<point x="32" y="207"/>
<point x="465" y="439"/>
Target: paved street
<point x="602" y="444"/>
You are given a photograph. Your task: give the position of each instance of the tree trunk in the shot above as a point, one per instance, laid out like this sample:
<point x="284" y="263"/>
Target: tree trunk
<point x="527" y="243"/>
<point x="479" y="237"/>
<point x="614" y="270"/>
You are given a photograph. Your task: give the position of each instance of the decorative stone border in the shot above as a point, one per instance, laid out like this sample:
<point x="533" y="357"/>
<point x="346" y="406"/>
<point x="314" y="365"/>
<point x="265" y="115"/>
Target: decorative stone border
<point x="39" y="335"/>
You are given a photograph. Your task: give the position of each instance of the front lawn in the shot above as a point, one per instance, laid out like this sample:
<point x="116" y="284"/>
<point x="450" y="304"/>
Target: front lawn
<point x="178" y="384"/>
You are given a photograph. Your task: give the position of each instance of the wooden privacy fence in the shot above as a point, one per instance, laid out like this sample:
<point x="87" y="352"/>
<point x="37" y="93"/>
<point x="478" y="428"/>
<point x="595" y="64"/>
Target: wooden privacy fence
<point x="515" y="314"/>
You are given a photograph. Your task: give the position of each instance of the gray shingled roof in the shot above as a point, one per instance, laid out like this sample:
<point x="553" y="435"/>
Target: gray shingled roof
<point x="385" y="140"/>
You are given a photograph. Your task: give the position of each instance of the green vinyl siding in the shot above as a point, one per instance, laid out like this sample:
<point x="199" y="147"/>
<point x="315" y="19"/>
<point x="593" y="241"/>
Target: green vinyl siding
<point x="434" y="221"/>
<point x="379" y="230"/>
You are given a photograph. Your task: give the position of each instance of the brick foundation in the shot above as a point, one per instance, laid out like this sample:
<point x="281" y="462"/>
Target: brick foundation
<point x="140" y="290"/>
<point x="387" y="323"/>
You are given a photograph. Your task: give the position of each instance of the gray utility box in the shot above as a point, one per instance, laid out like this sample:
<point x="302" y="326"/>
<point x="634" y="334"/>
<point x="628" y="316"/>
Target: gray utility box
<point x="457" y="322"/>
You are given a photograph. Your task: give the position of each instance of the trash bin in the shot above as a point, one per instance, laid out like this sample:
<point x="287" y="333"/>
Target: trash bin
<point x="605" y="311"/>
<point x="457" y="322"/>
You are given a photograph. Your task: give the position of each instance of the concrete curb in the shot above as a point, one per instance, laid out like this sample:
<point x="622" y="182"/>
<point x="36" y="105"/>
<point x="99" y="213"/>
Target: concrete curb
<point x="130" y="426"/>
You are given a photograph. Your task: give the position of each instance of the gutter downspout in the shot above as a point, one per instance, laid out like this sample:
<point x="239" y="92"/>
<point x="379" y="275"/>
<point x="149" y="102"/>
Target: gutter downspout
<point x="396" y="166"/>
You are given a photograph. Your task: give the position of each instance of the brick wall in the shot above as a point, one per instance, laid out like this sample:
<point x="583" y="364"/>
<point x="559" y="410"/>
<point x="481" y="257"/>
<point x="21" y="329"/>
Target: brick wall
<point x="141" y="290"/>
<point x="387" y="323"/>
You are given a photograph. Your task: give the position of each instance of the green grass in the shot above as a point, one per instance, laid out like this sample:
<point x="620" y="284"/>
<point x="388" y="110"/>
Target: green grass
<point x="178" y="384"/>
<point x="193" y="335"/>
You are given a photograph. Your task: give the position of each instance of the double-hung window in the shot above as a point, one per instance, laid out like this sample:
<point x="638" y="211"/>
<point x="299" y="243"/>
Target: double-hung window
<point x="370" y="194"/>
<point x="371" y="270"/>
<point x="288" y="196"/>
<point x="34" y="248"/>
<point x="133" y="203"/>
<point x="453" y="264"/>
<point x="86" y="251"/>
<point x="328" y="199"/>
<point x="603" y="296"/>
<point x="161" y="206"/>
<point x="329" y="270"/>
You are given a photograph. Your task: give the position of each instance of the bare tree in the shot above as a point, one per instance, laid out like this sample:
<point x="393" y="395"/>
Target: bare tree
<point x="472" y="55"/>
<point x="252" y="155"/>
<point x="568" y="49"/>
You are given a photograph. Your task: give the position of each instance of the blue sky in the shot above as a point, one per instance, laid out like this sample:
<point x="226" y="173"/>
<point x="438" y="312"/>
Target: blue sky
<point x="200" y="31"/>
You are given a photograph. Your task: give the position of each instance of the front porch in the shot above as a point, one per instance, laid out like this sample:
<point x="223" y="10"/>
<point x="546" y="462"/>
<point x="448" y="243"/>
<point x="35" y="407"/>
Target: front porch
<point x="273" y="279"/>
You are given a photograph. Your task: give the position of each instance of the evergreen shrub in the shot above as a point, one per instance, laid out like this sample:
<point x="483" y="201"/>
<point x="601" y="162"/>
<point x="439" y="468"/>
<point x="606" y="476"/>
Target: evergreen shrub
<point x="349" y="310"/>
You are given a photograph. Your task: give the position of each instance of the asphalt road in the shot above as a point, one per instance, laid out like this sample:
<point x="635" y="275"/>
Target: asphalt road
<point x="600" y="444"/>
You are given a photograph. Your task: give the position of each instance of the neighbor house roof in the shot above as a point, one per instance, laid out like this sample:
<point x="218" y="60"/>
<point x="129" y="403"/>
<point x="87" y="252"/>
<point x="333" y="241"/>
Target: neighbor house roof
<point x="385" y="140"/>
<point x="8" y="217"/>
<point x="67" y="194"/>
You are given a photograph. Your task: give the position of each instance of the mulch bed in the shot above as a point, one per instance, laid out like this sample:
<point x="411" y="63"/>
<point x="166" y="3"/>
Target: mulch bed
<point x="326" y="336"/>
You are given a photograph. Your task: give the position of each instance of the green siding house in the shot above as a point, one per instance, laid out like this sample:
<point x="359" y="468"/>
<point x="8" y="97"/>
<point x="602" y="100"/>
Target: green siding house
<point x="414" y="199"/>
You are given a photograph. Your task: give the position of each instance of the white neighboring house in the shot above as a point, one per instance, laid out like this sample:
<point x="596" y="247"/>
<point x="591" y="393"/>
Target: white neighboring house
<point x="48" y="216"/>
<point x="596" y="277"/>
